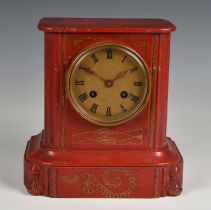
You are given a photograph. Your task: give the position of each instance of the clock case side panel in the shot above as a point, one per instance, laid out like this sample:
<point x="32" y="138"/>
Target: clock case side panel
<point x="161" y="91"/>
<point x="54" y="94"/>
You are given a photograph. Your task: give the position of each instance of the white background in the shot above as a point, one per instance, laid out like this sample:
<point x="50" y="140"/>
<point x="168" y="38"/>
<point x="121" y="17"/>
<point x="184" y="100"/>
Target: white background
<point x="21" y="95"/>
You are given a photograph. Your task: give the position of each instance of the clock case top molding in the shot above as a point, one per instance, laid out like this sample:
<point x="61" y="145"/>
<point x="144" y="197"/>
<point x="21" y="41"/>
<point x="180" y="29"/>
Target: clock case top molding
<point x="68" y="140"/>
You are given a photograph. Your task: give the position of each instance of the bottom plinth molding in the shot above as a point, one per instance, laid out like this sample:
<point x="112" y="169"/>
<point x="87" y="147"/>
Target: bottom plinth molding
<point x="68" y="179"/>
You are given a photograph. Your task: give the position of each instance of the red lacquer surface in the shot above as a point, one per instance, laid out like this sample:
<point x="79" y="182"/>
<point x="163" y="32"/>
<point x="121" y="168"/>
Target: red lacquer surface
<point x="72" y="151"/>
<point x="105" y="25"/>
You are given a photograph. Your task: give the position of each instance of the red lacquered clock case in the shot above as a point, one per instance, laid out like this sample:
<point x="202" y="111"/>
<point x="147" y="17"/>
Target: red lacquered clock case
<point x="72" y="157"/>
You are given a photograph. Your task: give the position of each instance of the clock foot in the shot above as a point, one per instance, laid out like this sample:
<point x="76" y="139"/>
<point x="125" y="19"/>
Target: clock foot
<point x="90" y="174"/>
<point x="34" y="187"/>
<point x="175" y="187"/>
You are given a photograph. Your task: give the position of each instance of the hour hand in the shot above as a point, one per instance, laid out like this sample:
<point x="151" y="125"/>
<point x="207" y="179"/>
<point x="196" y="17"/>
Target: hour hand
<point x="88" y="70"/>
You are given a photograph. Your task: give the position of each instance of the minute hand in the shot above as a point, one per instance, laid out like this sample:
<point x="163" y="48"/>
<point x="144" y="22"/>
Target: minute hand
<point x="122" y="73"/>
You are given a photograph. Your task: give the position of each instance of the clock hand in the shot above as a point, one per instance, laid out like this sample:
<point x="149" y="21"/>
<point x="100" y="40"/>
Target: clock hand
<point x="88" y="70"/>
<point x="121" y="74"/>
<point x="108" y="83"/>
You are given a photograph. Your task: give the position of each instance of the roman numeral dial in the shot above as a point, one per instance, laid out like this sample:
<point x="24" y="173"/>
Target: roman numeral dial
<point x="134" y="98"/>
<point x="138" y="84"/>
<point x="108" y="111"/>
<point x="95" y="60"/>
<point x="79" y="82"/>
<point x="109" y="53"/>
<point x="123" y="108"/>
<point x="93" y="108"/>
<point x="83" y="97"/>
<point x="108" y="84"/>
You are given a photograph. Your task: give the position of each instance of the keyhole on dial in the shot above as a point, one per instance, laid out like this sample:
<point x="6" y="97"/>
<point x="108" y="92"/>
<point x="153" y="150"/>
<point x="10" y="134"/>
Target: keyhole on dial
<point x="93" y="94"/>
<point x="124" y="94"/>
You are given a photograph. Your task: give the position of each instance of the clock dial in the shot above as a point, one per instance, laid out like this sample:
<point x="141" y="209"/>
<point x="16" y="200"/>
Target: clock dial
<point x="108" y="84"/>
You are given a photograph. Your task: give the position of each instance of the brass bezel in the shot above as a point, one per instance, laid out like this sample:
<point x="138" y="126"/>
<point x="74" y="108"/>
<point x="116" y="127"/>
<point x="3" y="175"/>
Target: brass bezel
<point x="76" y="105"/>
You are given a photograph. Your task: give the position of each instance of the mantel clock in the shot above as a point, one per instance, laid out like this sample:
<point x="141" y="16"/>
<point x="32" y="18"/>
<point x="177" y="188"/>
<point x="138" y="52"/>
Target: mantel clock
<point x="106" y="89"/>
